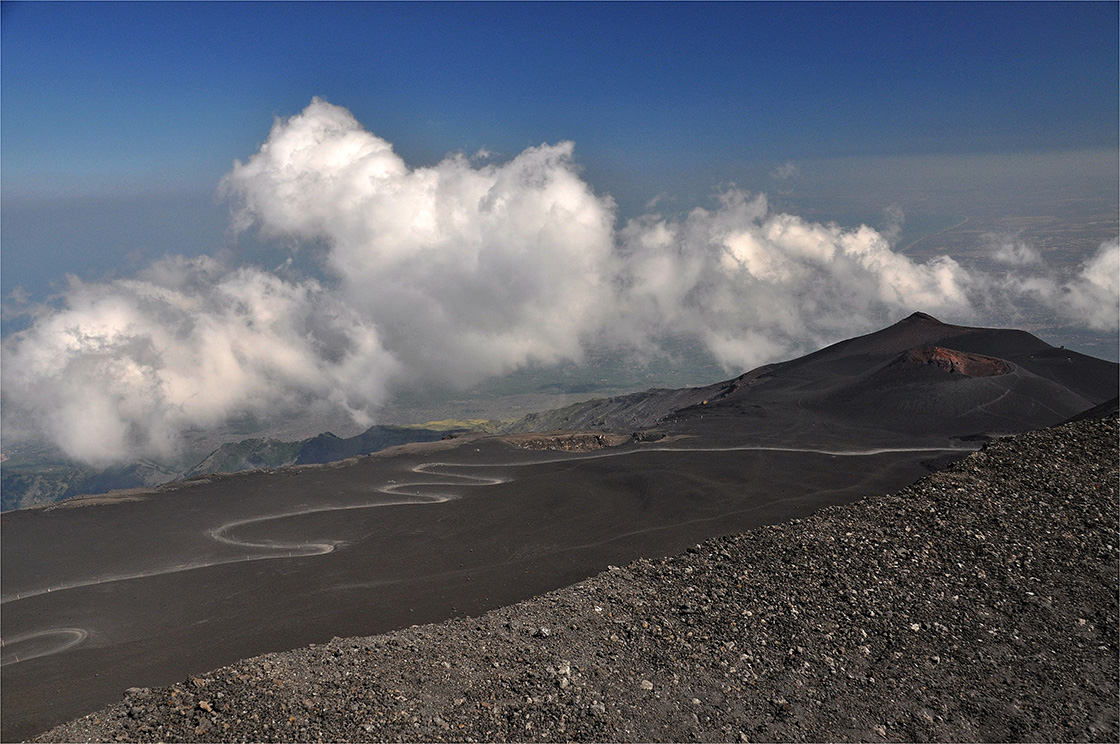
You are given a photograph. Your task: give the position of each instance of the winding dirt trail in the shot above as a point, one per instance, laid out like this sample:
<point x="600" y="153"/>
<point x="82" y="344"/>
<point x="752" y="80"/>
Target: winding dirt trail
<point x="412" y="492"/>
<point x="275" y="549"/>
<point x="28" y="646"/>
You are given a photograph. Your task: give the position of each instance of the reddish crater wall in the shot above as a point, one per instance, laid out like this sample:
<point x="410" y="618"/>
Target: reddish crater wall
<point x="957" y="362"/>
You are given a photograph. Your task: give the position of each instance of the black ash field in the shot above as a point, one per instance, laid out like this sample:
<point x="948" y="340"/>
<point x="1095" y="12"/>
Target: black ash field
<point x="979" y="604"/>
<point x="150" y="589"/>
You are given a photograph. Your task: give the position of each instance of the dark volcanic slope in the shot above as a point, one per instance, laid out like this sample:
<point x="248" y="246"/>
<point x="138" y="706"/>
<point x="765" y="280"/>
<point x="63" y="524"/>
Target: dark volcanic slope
<point x="108" y="594"/>
<point x="896" y="380"/>
<point x="174" y="584"/>
<point x="978" y="604"/>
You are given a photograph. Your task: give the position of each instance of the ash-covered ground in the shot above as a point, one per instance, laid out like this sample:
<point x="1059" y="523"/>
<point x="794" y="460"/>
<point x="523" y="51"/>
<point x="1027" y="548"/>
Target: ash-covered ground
<point x="981" y="603"/>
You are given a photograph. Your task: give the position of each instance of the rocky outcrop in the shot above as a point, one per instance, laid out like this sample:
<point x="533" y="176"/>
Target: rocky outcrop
<point x="567" y="442"/>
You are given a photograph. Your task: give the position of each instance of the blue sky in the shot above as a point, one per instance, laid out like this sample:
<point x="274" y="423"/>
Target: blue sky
<point x="119" y="119"/>
<point x="116" y="96"/>
<point x="749" y="182"/>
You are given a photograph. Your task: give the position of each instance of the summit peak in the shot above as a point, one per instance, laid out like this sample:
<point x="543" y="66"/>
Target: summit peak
<point x="925" y="317"/>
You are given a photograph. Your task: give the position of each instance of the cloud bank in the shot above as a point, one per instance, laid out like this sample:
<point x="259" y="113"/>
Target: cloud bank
<point x="127" y="366"/>
<point x="756" y="286"/>
<point x="1088" y="299"/>
<point x="448" y="274"/>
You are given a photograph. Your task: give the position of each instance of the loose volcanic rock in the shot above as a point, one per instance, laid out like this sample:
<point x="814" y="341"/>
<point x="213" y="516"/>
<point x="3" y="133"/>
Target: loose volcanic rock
<point x="566" y="441"/>
<point x="978" y="604"/>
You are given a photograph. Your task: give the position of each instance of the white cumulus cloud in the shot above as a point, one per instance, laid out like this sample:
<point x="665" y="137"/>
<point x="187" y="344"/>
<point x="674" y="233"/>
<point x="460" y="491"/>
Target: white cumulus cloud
<point x="125" y="367"/>
<point x="1093" y="296"/>
<point x="1012" y="251"/>
<point x="757" y="286"/>
<point x="447" y="274"/>
<point x="466" y="271"/>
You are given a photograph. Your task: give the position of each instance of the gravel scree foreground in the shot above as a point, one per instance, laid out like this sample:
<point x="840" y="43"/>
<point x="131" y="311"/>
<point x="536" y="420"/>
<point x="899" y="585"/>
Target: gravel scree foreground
<point x="980" y="603"/>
